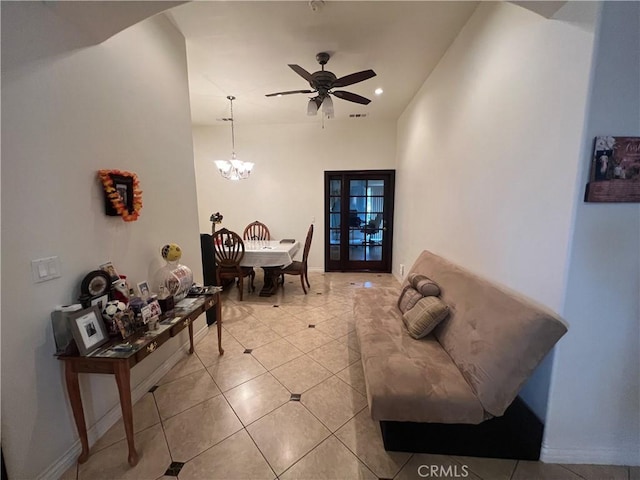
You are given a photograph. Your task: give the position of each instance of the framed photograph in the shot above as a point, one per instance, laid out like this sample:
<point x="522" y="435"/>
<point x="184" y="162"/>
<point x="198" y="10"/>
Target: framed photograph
<point x="100" y="301"/>
<point x="124" y="186"/>
<point x="111" y="270"/>
<point x="615" y="170"/>
<point x="146" y="314"/>
<point x="125" y="322"/>
<point x="88" y="329"/>
<point x="155" y="308"/>
<point x="143" y="288"/>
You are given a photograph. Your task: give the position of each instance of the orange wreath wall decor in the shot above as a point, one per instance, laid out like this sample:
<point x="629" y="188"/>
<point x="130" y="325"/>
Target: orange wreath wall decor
<point x="122" y="194"/>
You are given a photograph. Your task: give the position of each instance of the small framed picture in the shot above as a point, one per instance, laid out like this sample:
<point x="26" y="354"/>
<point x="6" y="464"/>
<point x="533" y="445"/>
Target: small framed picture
<point x="88" y="329"/>
<point x="155" y="308"/>
<point x="146" y="314"/>
<point x="125" y="322"/>
<point x="111" y="270"/>
<point x="143" y="288"/>
<point x="100" y="301"/>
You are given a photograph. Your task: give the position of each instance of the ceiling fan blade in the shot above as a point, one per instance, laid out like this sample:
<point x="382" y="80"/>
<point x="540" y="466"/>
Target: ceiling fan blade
<point x="354" y="78"/>
<point x="351" y="97"/>
<point x="289" y="93"/>
<point x="301" y="71"/>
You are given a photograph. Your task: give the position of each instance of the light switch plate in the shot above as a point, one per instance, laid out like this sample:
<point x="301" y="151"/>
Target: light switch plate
<point x="44" y="269"/>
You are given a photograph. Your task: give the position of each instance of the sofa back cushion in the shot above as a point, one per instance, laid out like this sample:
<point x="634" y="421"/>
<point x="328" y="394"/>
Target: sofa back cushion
<point x="496" y="338"/>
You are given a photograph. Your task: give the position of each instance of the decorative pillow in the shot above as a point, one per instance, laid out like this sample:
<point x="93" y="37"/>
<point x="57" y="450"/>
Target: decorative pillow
<point x="423" y="284"/>
<point x="425" y="316"/>
<point x="408" y="298"/>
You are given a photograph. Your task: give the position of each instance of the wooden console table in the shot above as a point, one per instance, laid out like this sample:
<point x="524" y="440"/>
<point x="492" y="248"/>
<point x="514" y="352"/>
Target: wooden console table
<point x="118" y="363"/>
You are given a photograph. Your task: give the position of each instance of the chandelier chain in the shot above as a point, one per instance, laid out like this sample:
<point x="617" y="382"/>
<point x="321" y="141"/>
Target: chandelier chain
<point x="233" y="169"/>
<point x="233" y="136"/>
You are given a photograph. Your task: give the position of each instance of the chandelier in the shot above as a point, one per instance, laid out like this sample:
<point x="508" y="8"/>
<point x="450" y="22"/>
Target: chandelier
<point x="233" y="169"/>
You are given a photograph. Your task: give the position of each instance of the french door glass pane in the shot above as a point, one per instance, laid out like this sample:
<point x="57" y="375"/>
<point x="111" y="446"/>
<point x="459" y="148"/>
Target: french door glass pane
<point x="366" y="209"/>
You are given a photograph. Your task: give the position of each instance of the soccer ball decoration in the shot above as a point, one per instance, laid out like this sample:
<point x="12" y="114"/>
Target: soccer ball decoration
<point x="171" y="252"/>
<point x="109" y="311"/>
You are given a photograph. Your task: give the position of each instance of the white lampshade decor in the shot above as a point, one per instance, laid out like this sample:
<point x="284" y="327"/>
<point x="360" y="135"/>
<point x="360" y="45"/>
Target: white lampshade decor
<point x="327" y="106"/>
<point x="233" y="169"/>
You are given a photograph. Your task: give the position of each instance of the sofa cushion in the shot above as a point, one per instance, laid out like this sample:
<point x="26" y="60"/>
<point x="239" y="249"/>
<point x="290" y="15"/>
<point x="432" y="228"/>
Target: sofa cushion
<point x="495" y="337"/>
<point x="424" y="285"/>
<point x="408" y="298"/>
<point x="407" y="379"/>
<point x="425" y="316"/>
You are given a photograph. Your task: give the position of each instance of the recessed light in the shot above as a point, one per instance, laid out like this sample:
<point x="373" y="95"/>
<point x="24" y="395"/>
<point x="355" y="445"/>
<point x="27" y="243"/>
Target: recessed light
<point x="279" y="95"/>
<point x="378" y="91"/>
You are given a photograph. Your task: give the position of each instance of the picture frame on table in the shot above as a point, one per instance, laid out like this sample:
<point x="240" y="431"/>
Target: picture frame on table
<point x="100" y="301"/>
<point x="111" y="270"/>
<point x="144" y="290"/>
<point x="155" y="308"/>
<point x="146" y="314"/>
<point x="126" y="323"/>
<point x="88" y="329"/>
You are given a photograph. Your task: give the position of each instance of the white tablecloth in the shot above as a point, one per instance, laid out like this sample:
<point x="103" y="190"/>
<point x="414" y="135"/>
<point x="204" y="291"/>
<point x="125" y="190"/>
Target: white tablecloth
<point x="268" y="253"/>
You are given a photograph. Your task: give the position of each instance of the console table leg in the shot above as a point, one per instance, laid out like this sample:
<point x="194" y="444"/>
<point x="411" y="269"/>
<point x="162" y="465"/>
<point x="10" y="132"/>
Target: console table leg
<point x="123" y="380"/>
<point x="73" y="388"/>
<point x="219" y="323"/>
<point x="190" y="327"/>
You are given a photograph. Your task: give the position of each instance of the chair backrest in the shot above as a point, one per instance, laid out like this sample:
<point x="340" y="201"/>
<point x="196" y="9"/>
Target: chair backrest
<point x="307" y="244"/>
<point x="228" y="248"/>
<point x="354" y="219"/>
<point x="256" y="231"/>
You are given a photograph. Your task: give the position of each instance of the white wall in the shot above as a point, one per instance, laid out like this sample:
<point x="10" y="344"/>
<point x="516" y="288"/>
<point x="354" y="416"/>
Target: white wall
<point x="286" y="189"/>
<point x="122" y="104"/>
<point x="488" y="152"/>
<point x="594" y="406"/>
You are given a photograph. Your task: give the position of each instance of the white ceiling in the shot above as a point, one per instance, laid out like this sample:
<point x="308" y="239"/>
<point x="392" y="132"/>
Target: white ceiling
<point x="243" y="48"/>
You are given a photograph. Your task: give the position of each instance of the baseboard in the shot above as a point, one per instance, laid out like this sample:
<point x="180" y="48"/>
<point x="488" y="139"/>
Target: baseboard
<point x="97" y="430"/>
<point x="623" y="455"/>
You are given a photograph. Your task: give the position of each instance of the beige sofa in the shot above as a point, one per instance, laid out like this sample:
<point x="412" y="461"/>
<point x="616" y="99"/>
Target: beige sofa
<point x="470" y="368"/>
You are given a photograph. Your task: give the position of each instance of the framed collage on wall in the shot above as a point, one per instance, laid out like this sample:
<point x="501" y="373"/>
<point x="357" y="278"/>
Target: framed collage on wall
<point x="615" y="170"/>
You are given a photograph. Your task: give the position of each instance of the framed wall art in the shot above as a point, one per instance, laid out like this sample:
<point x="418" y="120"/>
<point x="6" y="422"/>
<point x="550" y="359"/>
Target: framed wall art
<point x="88" y="329"/>
<point x="615" y="170"/>
<point x="122" y="194"/>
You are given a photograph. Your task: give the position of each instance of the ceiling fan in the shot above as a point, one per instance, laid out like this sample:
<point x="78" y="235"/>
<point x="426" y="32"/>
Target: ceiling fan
<point x="323" y="82"/>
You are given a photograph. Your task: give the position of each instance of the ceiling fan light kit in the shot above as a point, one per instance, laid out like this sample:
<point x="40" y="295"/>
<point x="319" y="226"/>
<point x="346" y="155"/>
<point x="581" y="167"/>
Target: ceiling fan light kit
<point x="323" y="83"/>
<point x="233" y="169"/>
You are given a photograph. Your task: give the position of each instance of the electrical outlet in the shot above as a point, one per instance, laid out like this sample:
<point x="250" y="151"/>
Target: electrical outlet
<point x="401" y="270"/>
<point x="313" y="219"/>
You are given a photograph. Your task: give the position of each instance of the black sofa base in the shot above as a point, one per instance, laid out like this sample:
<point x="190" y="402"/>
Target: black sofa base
<point x="516" y="435"/>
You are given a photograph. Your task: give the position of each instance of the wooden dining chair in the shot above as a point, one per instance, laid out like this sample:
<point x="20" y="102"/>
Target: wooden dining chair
<point x="300" y="268"/>
<point x="256" y="231"/>
<point x="229" y="251"/>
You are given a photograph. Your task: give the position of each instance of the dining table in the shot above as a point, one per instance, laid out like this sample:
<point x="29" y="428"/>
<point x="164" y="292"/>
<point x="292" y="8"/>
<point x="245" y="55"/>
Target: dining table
<point x="271" y="256"/>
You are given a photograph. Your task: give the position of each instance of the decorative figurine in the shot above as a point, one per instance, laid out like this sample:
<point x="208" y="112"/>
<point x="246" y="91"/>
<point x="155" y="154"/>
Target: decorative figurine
<point x="120" y="289"/>
<point x="215" y="218"/>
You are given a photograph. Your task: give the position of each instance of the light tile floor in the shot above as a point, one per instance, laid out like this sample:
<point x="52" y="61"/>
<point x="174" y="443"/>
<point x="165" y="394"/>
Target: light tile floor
<point x="235" y="416"/>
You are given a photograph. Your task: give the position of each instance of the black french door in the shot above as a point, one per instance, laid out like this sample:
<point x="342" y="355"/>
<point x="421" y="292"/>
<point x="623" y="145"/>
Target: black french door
<point x="358" y="220"/>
